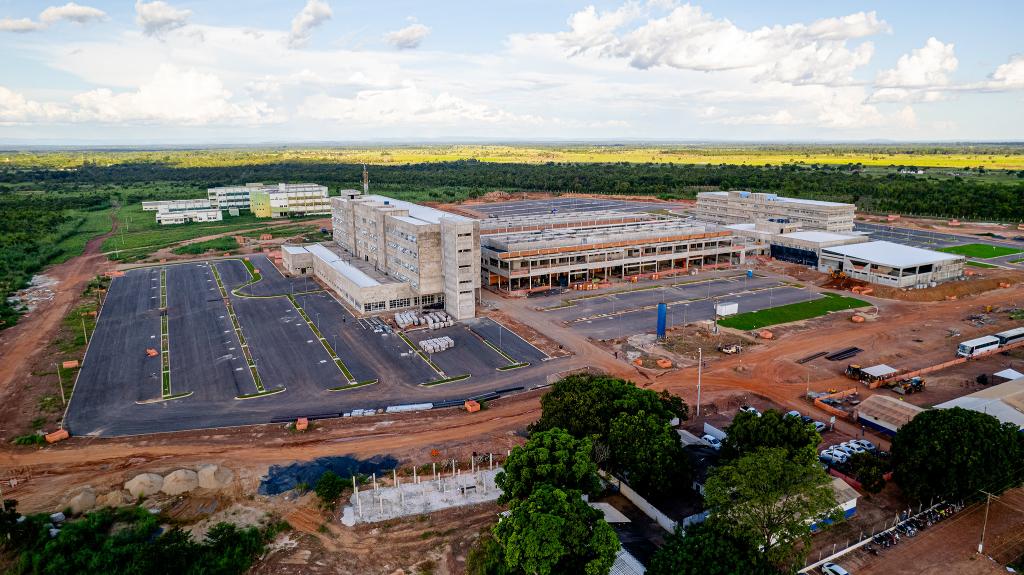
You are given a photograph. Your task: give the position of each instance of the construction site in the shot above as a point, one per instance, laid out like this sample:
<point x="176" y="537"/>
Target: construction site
<point x="232" y="353"/>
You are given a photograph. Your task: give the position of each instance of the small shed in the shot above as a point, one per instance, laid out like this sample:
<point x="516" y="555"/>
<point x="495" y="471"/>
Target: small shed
<point x="880" y="371"/>
<point x="1006" y="375"/>
<point x="885" y="413"/>
<point x="846" y="500"/>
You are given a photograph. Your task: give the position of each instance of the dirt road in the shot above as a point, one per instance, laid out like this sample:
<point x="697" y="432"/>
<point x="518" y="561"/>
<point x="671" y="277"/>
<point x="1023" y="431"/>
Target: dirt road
<point x="20" y="344"/>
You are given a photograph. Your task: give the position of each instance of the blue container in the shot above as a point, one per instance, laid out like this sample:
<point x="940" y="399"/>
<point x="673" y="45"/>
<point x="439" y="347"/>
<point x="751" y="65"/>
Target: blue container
<point x="662" y="316"/>
<point x="750" y="273"/>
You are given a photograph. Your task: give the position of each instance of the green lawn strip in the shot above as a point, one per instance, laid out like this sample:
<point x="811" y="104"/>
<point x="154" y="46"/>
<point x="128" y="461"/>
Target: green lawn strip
<point x="353" y="385"/>
<point x="512" y="364"/>
<point x="792" y="312"/>
<point x="238" y="332"/>
<point x="261" y="393"/>
<point x="222" y="244"/>
<point x="445" y="380"/>
<point x="983" y="251"/>
<point x="165" y="339"/>
<point x="1017" y="261"/>
<point x="421" y="354"/>
<point x="979" y="264"/>
<point x="323" y="341"/>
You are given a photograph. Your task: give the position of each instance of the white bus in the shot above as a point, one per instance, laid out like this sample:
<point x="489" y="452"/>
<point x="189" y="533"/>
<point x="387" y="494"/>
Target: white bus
<point x="1010" y="336"/>
<point x="973" y="347"/>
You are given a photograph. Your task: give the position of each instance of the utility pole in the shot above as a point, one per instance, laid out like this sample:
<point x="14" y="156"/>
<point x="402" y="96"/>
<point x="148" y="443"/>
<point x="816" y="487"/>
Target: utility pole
<point x="984" y="526"/>
<point x="60" y="385"/>
<point x="700" y="367"/>
<point x="85" y="334"/>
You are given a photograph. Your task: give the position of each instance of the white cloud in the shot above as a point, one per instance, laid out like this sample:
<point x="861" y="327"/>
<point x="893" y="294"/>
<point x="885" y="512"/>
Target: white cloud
<point x="1010" y="74"/>
<point x="779" y="118"/>
<point x="907" y="95"/>
<point x="175" y="96"/>
<point x="71" y="12"/>
<point x="857" y="25"/>
<point x="313" y="14"/>
<point x="157" y="18"/>
<point x="406" y="105"/>
<point x="928" y="66"/>
<point x="407" y="38"/>
<point x="20" y="25"/>
<point x="15" y="109"/>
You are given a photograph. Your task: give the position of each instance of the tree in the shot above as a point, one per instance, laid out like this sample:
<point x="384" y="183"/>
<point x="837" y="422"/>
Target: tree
<point x="584" y="405"/>
<point x="748" y="433"/>
<point x="868" y="469"/>
<point x="550" y="457"/>
<point x="646" y="451"/>
<point x="705" y="550"/>
<point x="487" y="557"/>
<point x="770" y="500"/>
<point x="953" y="453"/>
<point x="554" y="531"/>
<point x="329" y="488"/>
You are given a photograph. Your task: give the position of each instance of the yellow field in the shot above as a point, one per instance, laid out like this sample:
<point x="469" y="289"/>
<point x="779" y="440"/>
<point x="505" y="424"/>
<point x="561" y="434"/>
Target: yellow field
<point x="991" y="157"/>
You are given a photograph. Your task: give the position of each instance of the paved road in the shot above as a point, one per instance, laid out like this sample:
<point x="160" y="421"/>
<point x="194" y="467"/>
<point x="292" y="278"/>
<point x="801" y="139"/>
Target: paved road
<point x="507" y="341"/>
<point x="468" y="356"/>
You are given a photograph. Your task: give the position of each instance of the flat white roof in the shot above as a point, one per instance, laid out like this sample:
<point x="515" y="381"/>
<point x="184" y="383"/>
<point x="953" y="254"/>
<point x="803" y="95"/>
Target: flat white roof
<point x="981" y="340"/>
<point x="417" y="211"/>
<point x="891" y="254"/>
<point x="323" y="253"/>
<point x="295" y="249"/>
<point x="819" y="237"/>
<point x="355" y="275"/>
<point x="412" y="221"/>
<point x="742" y="227"/>
<point x="776" y="198"/>
<point x="1005" y="402"/>
<point x="1009" y="374"/>
<point x="880" y="370"/>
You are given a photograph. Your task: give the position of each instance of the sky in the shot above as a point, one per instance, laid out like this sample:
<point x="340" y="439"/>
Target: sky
<point x="262" y="71"/>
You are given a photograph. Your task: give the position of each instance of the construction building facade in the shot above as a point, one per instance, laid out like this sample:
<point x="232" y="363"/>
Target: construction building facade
<point x="390" y="255"/>
<point x="523" y="256"/>
<point x="274" y="200"/>
<point x="736" y="207"/>
<point x="891" y="264"/>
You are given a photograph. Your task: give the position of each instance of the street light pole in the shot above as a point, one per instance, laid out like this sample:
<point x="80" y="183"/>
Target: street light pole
<point x="984" y="526"/>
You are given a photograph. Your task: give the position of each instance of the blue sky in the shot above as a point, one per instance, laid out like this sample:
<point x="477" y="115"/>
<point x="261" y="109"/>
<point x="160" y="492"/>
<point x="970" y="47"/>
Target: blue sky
<point x="326" y="70"/>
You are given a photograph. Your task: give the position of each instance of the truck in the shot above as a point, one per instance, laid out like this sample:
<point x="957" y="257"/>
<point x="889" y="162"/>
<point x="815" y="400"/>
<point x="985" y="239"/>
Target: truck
<point x="907" y="386"/>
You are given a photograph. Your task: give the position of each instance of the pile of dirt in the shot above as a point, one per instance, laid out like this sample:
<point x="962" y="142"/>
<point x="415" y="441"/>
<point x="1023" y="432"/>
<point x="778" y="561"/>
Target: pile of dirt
<point x="215" y="477"/>
<point x="180" y="481"/>
<point x="144" y="485"/>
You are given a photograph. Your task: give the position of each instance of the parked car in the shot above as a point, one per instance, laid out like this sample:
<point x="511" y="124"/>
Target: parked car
<point x="793" y="413"/>
<point x="856" y="447"/>
<point x="806" y="419"/>
<point x="847" y="450"/>
<point x="833" y="456"/>
<point x="833" y="569"/>
<point x="713" y="441"/>
<point x="820" y="427"/>
<point x="865" y="444"/>
<point x="751" y="409"/>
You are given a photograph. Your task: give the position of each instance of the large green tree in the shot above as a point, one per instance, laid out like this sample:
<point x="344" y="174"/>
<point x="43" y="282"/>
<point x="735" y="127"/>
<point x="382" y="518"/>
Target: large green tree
<point x="584" y="405"/>
<point x="770" y="500"/>
<point x="748" y="433"/>
<point x="646" y="451"/>
<point x="553" y="531"/>
<point x="953" y="453"/>
<point x="706" y="550"/>
<point x="550" y="457"/>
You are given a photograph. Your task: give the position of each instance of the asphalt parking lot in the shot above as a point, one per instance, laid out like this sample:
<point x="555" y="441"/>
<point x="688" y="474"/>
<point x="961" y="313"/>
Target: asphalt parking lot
<point x="206" y="357"/>
<point x="469" y="355"/>
<point x="507" y="341"/>
<point x="119" y="388"/>
<point x="538" y="207"/>
<point x="272" y="282"/>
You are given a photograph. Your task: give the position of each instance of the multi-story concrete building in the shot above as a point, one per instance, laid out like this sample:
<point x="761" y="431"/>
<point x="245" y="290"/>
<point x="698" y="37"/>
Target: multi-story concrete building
<point x="390" y="254"/>
<point x="735" y="207"/>
<point x="164" y="217"/>
<point x="176" y="205"/>
<point x="543" y="257"/>
<point x="273" y="201"/>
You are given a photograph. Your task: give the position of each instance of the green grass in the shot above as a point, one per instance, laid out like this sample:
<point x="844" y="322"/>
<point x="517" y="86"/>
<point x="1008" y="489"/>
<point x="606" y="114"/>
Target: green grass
<point x="983" y="251"/>
<point x="1017" y="261"/>
<point x="979" y="264"/>
<point x="224" y="244"/>
<point x="353" y="385"/>
<point x="83" y="226"/>
<point x="792" y="312"/>
<point x="445" y="380"/>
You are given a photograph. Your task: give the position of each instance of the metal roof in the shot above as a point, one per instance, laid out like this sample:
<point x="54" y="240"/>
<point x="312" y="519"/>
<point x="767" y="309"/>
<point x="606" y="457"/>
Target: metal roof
<point x="888" y="409"/>
<point x="819" y="237"/>
<point x="425" y="213"/>
<point x="880" y="370"/>
<point x="891" y="254"/>
<point x="1009" y="374"/>
<point x="1005" y="402"/>
<point x="294" y="249"/>
<point x="346" y="269"/>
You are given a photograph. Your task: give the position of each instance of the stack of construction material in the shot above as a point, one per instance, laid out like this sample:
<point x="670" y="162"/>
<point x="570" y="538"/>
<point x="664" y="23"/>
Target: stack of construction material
<point x="437" y="320"/>
<point x="437" y="344"/>
<point x="406" y="318"/>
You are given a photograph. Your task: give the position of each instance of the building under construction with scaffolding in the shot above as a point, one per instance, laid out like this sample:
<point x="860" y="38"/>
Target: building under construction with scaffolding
<point x="558" y="250"/>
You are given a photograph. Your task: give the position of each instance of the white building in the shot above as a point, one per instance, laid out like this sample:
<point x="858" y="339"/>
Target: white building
<point x="735" y="207"/>
<point x="182" y="216"/>
<point x="1005" y="402"/>
<point x="787" y="242"/>
<point x="895" y="265"/>
<point x="390" y="255"/>
<point x="273" y="200"/>
<point x="176" y="205"/>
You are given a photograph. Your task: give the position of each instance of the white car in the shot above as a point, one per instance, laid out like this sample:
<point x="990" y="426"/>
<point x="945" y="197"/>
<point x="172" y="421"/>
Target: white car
<point x="751" y="409"/>
<point x="713" y="441"/>
<point x="793" y="413"/>
<point x="853" y="445"/>
<point x="865" y="444"/>
<point x="833" y="456"/>
<point x="833" y="569"/>
<point x="820" y="427"/>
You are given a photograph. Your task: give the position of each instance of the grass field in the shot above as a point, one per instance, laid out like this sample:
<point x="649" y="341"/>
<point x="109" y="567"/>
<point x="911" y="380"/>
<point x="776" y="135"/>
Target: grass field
<point x="979" y="264"/>
<point x="1017" y="261"/>
<point x="83" y="226"/>
<point x="984" y="251"/>
<point x="224" y="244"/>
<point x="992" y="157"/>
<point x="792" y="312"/>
